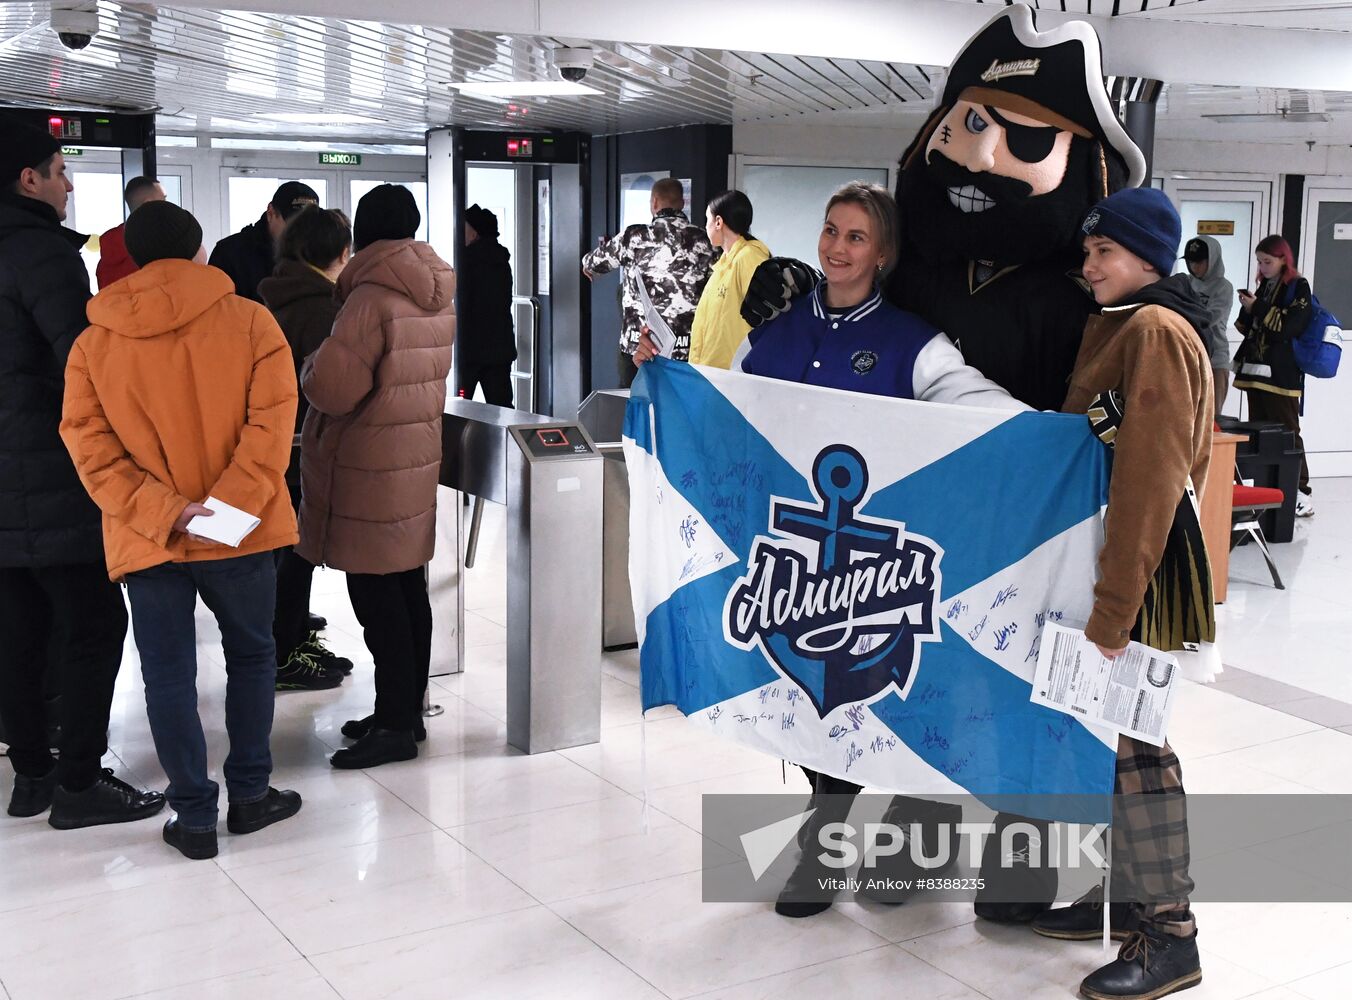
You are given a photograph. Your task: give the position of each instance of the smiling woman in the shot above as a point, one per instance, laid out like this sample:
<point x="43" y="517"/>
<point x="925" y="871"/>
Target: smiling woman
<point x="844" y="335"/>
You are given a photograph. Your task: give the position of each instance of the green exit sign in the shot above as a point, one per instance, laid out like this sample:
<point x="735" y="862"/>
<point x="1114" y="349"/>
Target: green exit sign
<point x="69" y="151"/>
<point x="340" y="159"/>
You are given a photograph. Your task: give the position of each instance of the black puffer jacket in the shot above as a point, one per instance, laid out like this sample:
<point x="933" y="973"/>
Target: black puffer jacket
<point x="484" y="305"/>
<point x="247" y="256"/>
<point x="46" y="517"/>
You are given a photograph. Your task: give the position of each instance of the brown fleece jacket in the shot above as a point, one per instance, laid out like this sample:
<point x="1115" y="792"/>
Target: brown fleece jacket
<point x="1157" y="361"/>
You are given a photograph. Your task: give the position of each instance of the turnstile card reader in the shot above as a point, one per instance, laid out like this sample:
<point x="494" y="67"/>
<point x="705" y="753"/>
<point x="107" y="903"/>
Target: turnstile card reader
<point x="554" y="495"/>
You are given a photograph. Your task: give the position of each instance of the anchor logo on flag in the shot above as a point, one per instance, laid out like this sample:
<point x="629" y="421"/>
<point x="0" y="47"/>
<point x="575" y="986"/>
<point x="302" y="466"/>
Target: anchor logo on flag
<point x="849" y="624"/>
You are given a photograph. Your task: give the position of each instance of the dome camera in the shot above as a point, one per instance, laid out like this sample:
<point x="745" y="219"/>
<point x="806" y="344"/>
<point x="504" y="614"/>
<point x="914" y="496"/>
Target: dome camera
<point x="572" y="64"/>
<point x="76" y="26"/>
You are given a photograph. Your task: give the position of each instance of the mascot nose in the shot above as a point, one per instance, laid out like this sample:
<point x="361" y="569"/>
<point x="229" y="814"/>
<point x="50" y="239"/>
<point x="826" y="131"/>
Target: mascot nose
<point x="980" y="154"/>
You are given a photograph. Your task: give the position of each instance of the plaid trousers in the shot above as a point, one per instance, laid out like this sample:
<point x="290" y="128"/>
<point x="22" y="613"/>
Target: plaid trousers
<point x="1150" y="831"/>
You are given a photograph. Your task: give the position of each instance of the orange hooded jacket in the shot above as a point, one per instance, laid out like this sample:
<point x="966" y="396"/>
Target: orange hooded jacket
<point x="179" y="390"/>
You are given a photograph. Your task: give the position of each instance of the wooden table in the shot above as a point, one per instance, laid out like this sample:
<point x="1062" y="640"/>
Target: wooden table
<point x="1217" y="501"/>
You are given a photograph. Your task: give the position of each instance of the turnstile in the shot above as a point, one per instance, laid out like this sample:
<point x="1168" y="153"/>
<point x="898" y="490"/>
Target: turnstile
<point x="548" y="473"/>
<point x="602" y="414"/>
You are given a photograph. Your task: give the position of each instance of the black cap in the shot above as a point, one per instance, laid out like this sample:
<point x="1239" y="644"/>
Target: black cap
<point x="291" y="197"/>
<point x="1196" y="250"/>
<point x="1055" y="76"/>
<point x="485" y="223"/>
<point x="160" y="230"/>
<point x="24" y="146"/>
<point x="386" y="212"/>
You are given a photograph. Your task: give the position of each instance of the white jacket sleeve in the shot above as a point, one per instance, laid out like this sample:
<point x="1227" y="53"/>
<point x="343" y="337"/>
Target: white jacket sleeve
<point x="941" y="376"/>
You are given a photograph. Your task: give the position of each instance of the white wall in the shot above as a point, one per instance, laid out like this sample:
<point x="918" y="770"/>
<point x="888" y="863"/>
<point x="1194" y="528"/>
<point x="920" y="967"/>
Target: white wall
<point x="824" y="143"/>
<point x="1252" y="157"/>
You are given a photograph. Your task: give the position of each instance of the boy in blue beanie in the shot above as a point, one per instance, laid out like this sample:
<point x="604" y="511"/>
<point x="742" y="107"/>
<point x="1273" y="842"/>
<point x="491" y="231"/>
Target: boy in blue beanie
<point x="1143" y="376"/>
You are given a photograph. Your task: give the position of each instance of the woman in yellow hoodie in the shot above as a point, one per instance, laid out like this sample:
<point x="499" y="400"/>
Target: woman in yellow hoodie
<point x="719" y="329"/>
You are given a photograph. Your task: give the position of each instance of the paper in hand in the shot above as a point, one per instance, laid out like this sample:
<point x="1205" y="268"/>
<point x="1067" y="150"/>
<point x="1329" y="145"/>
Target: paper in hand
<point x="1132" y="694"/>
<point x="227" y="525"/>
<point x="662" y="336"/>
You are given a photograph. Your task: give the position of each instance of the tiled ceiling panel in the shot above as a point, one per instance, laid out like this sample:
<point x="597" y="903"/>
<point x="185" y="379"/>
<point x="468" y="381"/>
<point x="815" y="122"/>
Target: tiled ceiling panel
<point x="230" y="72"/>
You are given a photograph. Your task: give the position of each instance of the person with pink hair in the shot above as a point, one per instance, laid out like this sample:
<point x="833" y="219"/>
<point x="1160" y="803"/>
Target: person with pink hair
<point x="1265" y="364"/>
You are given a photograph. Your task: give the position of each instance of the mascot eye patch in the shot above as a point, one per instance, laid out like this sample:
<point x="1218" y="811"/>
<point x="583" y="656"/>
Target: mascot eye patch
<point x="1029" y="143"/>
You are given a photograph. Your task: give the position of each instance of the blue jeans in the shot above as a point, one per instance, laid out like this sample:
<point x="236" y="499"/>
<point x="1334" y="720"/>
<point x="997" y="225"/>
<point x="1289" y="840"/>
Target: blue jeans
<point x="241" y="593"/>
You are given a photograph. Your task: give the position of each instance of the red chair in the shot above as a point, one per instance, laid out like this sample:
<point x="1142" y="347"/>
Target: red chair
<point x="1246" y="504"/>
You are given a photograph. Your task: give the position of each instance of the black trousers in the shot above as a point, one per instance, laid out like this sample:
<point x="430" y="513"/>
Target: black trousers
<point x="627" y="369"/>
<point x="70" y="620"/>
<point x="1275" y="408"/>
<point x="291" y="618"/>
<point x="396" y="620"/>
<point x="826" y="784"/>
<point x="496" y="380"/>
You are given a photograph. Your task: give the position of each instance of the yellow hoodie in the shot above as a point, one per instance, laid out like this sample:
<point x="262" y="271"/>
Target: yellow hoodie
<point x="719" y="329"/>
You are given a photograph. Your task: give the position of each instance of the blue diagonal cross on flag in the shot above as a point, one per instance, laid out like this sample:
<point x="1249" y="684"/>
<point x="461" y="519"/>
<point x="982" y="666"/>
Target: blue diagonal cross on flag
<point x="859" y="584"/>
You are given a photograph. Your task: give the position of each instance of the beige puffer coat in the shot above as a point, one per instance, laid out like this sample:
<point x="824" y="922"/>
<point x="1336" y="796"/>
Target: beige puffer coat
<point x="371" y="445"/>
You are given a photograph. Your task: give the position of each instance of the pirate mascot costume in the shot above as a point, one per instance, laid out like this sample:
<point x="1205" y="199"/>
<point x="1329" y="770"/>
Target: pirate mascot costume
<point x="992" y="193"/>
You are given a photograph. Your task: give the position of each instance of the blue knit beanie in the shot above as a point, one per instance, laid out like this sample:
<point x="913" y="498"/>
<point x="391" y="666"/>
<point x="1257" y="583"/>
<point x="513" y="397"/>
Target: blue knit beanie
<point x="1144" y="221"/>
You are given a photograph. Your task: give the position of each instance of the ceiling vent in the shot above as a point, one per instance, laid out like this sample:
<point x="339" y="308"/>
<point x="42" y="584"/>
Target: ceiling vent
<point x="1274" y="105"/>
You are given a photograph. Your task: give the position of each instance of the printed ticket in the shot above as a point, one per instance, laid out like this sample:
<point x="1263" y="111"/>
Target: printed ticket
<point x="662" y="336"/>
<point x="1132" y="694"/>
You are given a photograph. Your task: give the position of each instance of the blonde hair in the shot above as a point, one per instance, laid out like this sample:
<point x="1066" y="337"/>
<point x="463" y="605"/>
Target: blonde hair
<point x="881" y="210"/>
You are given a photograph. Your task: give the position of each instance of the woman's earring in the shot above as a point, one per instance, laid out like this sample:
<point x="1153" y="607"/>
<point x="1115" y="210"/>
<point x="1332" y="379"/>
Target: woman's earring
<point x="881" y="264"/>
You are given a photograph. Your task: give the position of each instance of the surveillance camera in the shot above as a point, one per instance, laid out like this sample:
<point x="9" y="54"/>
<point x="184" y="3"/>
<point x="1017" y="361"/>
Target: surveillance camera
<point x="572" y="64"/>
<point x="76" y="26"/>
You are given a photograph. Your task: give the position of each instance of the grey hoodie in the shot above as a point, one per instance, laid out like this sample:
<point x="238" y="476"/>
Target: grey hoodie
<point x="1218" y="295"/>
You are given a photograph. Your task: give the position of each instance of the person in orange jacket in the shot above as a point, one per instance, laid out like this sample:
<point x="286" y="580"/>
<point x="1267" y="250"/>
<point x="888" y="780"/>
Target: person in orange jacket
<point x="179" y="391"/>
<point x="114" y="261"/>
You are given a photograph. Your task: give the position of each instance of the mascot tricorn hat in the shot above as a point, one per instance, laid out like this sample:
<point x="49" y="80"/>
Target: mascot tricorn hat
<point x="1055" y="76"/>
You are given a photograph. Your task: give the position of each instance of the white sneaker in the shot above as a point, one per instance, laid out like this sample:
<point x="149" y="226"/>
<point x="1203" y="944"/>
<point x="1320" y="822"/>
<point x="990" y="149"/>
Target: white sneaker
<point x="1304" y="505"/>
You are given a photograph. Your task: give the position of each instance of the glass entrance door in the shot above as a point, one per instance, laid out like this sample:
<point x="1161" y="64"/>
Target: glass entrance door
<point x="1236" y="214"/>
<point x="499" y="188"/>
<point x="247" y="195"/>
<point x="94" y="207"/>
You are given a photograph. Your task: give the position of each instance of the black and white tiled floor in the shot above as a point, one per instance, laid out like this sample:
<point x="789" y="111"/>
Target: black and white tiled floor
<point x="478" y="872"/>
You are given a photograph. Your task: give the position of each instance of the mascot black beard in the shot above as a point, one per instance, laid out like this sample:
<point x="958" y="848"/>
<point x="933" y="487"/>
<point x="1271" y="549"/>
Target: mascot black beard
<point x="991" y="196"/>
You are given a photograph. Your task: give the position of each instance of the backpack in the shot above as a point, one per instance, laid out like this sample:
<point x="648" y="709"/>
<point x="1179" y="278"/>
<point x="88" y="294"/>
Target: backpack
<point x="1319" y="347"/>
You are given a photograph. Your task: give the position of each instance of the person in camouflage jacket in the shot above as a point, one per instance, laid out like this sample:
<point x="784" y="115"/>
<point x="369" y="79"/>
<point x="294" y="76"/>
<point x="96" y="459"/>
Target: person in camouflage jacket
<point x="671" y="256"/>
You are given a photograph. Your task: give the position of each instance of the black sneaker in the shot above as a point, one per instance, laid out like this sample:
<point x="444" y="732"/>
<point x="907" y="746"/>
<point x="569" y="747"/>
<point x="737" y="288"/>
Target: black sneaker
<point x="318" y="623"/>
<point x="1151" y="964"/>
<point x="250" y="817"/>
<point x="302" y="673"/>
<point x="378" y="746"/>
<point x="192" y="844"/>
<point x="324" y="656"/>
<point x="1082" y="920"/>
<point x="355" y="729"/>
<point x="108" y="800"/>
<point x="32" y="796"/>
